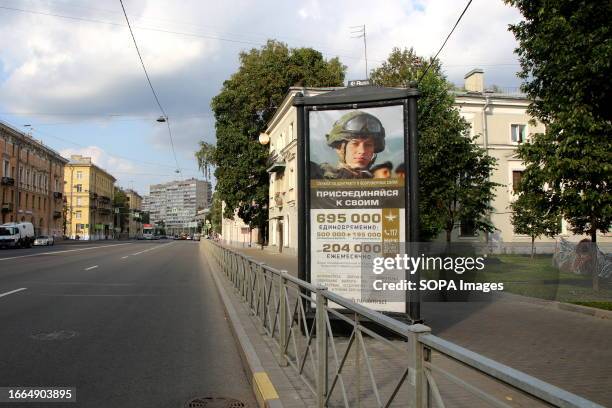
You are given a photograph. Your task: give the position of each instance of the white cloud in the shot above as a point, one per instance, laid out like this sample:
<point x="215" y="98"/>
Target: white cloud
<point x="51" y="64"/>
<point x="72" y="64"/>
<point x="113" y="165"/>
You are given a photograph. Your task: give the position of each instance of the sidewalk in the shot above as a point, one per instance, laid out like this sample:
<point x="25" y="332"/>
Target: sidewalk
<point x="567" y="349"/>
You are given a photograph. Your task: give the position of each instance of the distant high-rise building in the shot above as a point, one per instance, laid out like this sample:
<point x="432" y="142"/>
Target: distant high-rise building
<point x="176" y="203"/>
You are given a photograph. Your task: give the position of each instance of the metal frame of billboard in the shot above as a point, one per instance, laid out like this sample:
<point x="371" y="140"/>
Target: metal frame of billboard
<point x="356" y="98"/>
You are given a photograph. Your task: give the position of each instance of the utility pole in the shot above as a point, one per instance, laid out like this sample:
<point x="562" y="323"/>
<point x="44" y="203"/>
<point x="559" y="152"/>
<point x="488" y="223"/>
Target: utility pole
<point x="360" y="32"/>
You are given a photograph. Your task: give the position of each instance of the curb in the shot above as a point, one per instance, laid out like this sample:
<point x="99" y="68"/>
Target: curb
<point x="554" y="304"/>
<point x="264" y="390"/>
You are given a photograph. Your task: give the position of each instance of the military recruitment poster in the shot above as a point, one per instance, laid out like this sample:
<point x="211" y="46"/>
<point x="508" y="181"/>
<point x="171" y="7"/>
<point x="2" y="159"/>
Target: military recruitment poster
<point x="357" y="196"/>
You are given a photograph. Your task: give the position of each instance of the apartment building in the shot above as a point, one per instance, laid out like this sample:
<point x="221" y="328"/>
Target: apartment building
<point x="89" y="192"/>
<point x="32" y="182"/>
<point x="500" y="120"/>
<point x="135" y="207"/>
<point x="175" y="204"/>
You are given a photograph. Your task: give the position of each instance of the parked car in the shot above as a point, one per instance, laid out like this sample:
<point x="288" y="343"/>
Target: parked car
<point x="18" y="235"/>
<point x="196" y="237"/>
<point x="44" y="240"/>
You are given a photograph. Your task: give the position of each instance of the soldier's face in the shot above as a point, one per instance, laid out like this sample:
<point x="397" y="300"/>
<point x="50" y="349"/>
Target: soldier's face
<point x="359" y="152"/>
<point x="383" y="172"/>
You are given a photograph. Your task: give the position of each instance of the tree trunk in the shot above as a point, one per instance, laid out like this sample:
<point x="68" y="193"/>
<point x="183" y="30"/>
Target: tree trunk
<point x="594" y="252"/>
<point x="532" y="246"/>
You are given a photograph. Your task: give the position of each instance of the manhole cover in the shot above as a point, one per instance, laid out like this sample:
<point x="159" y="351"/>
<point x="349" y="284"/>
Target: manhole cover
<point x="56" y="335"/>
<point x="214" y="402"/>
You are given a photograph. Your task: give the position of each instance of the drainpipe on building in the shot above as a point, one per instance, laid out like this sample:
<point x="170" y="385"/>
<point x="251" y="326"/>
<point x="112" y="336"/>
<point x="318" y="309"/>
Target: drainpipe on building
<point x="50" y="198"/>
<point x="485" y="136"/>
<point x="17" y="181"/>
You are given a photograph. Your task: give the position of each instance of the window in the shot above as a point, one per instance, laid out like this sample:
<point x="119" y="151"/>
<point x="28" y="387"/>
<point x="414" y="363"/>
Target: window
<point x="77" y="215"/>
<point x="79" y="175"/>
<point x="517" y="175"/>
<point x="6" y="169"/>
<point x="78" y="201"/>
<point x="79" y="188"/>
<point x="468" y="229"/>
<point x="518" y="133"/>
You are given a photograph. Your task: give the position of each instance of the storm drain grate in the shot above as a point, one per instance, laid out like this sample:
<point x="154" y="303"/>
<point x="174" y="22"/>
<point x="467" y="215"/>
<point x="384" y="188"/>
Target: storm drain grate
<point x="214" y="402"/>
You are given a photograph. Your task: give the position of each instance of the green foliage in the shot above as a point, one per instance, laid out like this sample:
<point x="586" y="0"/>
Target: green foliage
<point x="454" y="171"/>
<point x="242" y="109"/>
<point x="120" y="200"/>
<point x="531" y="213"/>
<point x="145" y="217"/>
<point x="565" y="50"/>
<point x="215" y="216"/>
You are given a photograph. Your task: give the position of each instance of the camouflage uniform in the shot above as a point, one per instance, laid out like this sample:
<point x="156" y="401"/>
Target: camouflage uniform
<point x="353" y="125"/>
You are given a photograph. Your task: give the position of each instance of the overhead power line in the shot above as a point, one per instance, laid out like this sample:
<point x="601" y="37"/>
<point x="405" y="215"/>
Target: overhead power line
<point x="161" y="30"/>
<point x="445" y="41"/>
<point x="178" y="169"/>
<point x="38" y="131"/>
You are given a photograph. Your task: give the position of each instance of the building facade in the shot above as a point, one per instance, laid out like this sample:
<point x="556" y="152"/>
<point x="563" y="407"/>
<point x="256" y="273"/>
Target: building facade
<point x="89" y="192"/>
<point x="32" y="182"/>
<point x="135" y="208"/>
<point x="500" y="120"/>
<point x="175" y="204"/>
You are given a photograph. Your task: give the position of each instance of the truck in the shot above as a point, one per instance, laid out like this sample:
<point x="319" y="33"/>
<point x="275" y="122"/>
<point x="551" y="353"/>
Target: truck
<point x="17" y="235"/>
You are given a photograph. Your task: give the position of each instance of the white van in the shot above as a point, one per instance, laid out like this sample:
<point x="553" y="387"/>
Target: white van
<point x="17" y="235"/>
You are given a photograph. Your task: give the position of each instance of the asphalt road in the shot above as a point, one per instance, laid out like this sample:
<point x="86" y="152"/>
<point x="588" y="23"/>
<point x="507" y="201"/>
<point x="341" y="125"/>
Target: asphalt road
<point x="129" y="324"/>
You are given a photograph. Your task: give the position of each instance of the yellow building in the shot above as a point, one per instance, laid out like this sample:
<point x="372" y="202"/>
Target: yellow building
<point x="89" y="192"/>
<point x="501" y="121"/>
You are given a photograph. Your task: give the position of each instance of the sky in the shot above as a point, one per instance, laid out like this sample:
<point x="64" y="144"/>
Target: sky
<point x="69" y="68"/>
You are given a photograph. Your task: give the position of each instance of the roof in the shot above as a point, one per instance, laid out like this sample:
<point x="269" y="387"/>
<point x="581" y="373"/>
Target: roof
<point x="78" y="160"/>
<point x="30" y="140"/>
<point x="356" y="94"/>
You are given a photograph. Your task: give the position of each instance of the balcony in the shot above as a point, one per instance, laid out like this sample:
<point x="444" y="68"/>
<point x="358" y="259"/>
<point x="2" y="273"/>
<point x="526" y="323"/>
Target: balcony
<point x="104" y="211"/>
<point x="7" y="181"/>
<point x="57" y="195"/>
<point x="57" y="214"/>
<point x="7" y="207"/>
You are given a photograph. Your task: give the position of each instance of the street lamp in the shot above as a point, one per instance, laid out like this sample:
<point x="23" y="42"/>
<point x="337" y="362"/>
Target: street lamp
<point x="161" y="119"/>
<point x="264" y="138"/>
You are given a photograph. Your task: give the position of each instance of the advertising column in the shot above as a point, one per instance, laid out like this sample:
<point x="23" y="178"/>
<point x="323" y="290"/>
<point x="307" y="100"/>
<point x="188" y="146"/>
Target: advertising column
<point x="357" y="196"/>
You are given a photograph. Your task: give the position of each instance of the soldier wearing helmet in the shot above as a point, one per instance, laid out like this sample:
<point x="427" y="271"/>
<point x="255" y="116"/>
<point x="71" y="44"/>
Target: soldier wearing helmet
<point x="356" y="137"/>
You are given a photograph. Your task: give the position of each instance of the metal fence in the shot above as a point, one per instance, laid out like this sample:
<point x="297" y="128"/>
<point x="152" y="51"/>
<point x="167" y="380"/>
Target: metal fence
<point x="350" y="356"/>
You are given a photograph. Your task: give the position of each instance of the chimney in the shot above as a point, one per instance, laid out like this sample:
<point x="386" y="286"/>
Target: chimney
<point x="474" y="80"/>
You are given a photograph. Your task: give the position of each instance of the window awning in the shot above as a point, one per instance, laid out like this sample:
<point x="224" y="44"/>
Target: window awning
<point x="276" y="167"/>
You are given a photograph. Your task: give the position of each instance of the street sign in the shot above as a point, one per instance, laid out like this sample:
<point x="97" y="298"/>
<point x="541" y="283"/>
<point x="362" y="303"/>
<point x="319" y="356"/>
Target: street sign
<point x="359" y="82"/>
<point x="357" y="187"/>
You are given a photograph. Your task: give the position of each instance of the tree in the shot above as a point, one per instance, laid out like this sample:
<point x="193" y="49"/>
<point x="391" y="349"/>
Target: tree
<point x="242" y="109"/>
<point x="215" y="216"/>
<point x="565" y="49"/>
<point x="453" y="170"/>
<point x="145" y="217"/>
<point x="531" y="214"/>
<point x="120" y="201"/>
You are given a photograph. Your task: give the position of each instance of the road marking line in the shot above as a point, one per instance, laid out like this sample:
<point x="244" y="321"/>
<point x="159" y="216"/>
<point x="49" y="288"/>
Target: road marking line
<point x="91" y="267"/>
<point x="150" y="249"/>
<point x="123" y="257"/>
<point x="62" y="252"/>
<point x="12" y="291"/>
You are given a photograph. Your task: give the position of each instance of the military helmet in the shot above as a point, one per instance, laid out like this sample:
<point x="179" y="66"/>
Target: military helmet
<point x="357" y="124"/>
